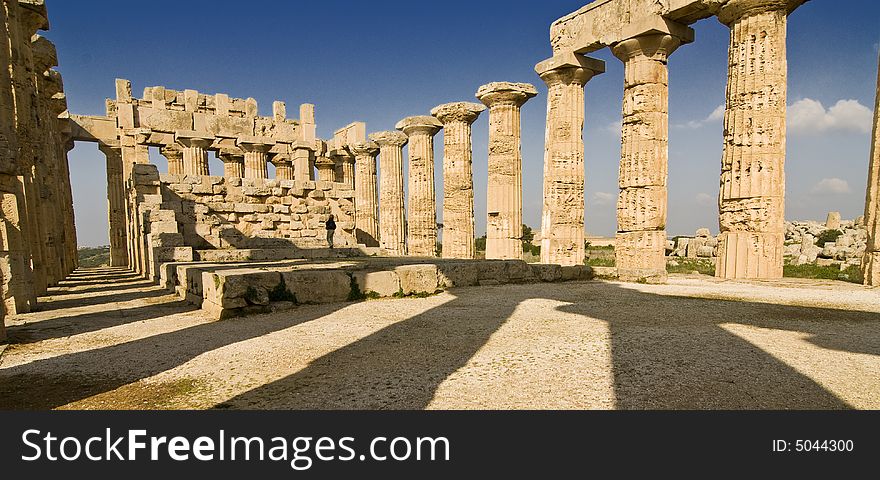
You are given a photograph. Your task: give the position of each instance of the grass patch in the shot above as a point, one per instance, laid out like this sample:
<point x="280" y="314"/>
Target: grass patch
<point x="91" y="257"/>
<point x="600" y="261"/>
<point x="690" y="265"/>
<point x="827" y="236"/>
<point x="851" y="274"/>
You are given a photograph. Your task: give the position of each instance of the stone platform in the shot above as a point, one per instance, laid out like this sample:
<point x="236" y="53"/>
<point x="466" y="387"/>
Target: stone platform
<point x="230" y="289"/>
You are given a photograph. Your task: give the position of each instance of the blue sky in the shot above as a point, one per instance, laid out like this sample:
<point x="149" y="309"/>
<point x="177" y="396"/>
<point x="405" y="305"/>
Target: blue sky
<point x="381" y="61"/>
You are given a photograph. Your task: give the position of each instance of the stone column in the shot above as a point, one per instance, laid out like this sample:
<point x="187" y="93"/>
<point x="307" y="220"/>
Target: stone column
<point x="422" y="214"/>
<point x="256" y="157"/>
<point x="195" y="153"/>
<point x="871" y="261"/>
<point x="562" y="224"/>
<point x="344" y="161"/>
<point x="174" y="155"/>
<point x="326" y="169"/>
<point x="752" y="197"/>
<point x="640" y="249"/>
<point x="283" y="166"/>
<point x="233" y="163"/>
<point x="366" y="195"/>
<point x="458" y="177"/>
<point x="504" y="193"/>
<point x="392" y="225"/>
<point x="116" y="206"/>
<point x="303" y="161"/>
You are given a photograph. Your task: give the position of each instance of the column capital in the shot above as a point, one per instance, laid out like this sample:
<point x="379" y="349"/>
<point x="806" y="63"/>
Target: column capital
<point x="193" y="139"/>
<point x="171" y="151"/>
<point x="138" y="135"/>
<point x="730" y="11"/>
<point x="364" y="149"/>
<point x="652" y="45"/>
<point x="420" y="124"/>
<point x="462" y="112"/>
<point x="280" y="159"/>
<point x="506" y="93"/>
<point x="315" y="146"/>
<point x="389" y="138"/>
<point x="255" y="144"/>
<point x="230" y="155"/>
<point x="568" y="68"/>
<point x="322" y="161"/>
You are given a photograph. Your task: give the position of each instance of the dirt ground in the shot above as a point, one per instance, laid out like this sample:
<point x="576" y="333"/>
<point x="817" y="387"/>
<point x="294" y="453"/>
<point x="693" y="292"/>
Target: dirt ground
<point x="107" y="340"/>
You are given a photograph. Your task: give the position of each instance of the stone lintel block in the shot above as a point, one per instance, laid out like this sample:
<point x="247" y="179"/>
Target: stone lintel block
<point x="418" y="278"/>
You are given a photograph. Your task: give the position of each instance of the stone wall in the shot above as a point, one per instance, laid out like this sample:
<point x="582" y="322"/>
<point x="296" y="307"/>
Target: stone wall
<point x="182" y="213"/>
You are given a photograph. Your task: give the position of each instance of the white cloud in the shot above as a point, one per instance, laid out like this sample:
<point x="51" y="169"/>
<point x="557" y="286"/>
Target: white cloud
<point x="831" y="186"/>
<point x="810" y="116"/>
<point x="716" y="116"/>
<point x="614" y="128"/>
<point x="603" y="198"/>
<point x="705" y="199"/>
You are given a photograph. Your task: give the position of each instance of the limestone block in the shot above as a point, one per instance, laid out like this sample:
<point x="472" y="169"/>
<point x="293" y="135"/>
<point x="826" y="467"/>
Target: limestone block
<point x="493" y="272"/>
<point x="547" y="272"/>
<point x="318" y="286"/>
<point x="576" y="273"/>
<point x="384" y="283"/>
<point x="458" y="274"/>
<point x="519" y="271"/>
<point x="165" y="120"/>
<point x="418" y="278"/>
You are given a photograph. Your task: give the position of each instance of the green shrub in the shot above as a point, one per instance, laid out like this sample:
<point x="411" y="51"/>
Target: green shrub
<point x="827" y="236"/>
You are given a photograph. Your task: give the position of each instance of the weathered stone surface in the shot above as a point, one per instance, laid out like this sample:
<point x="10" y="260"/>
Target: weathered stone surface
<point x="422" y="208"/>
<point x="418" y="278"/>
<point x="870" y="267"/>
<point x="318" y="286"/>
<point x="385" y="283"/>
<point x="392" y="227"/>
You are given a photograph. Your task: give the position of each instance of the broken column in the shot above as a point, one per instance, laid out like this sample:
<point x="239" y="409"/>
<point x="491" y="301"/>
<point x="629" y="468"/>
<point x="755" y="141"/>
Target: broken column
<point x="562" y="224"/>
<point x="256" y="150"/>
<point x="233" y="163"/>
<point x="458" y="177"/>
<point x="366" y="193"/>
<point x="504" y="193"/>
<point x="422" y="214"/>
<point x="283" y="166"/>
<point x="116" y="206"/>
<point x="392" y="225"/>
<point x="871" y="260"/>
<point x="174" y="155"/>
<point x="326" y="169"/>
<point x="752" y="198"/>
<point x="195" y="153"/>
<point x="640" y="248"/>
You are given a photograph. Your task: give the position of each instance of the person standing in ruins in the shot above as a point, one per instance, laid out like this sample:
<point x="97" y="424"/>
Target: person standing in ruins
<point x="331" y="229"/>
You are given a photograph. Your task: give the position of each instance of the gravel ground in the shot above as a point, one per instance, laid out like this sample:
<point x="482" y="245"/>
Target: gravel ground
<point x="696" y="343"/>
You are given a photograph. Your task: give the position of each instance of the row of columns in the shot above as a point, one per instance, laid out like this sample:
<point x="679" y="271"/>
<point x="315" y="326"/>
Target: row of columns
<point x="751" y="199"/>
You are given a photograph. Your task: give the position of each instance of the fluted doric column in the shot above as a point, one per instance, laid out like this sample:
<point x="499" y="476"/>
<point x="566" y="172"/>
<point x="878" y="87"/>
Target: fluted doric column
<point x="562" y="225"/>
<point x="174" y="155"/>
<point x="326" y="169"/>
<point x="256" y="156"/>
<point x="640" y="249"/>
<point x="752" y="197"/>
<point x="871" y="261"/>
<point x="366" y="201"/>
<point x="392" y="225"/>
<point x="504" y="193"/>
<point x="458" y="177"/>
<point x="195" y="153"/>
<point x="233" y="163"/>
<point x="344" y="164"/>
<point x="422" y="214"/>
<point x="116" y="206"/>
<point x="283" y="166"/>
<point x="303" y="161"/>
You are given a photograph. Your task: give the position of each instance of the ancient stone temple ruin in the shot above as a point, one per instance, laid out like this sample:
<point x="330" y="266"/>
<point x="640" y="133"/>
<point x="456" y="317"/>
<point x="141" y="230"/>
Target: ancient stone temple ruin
<point x="206" y="233"/>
